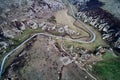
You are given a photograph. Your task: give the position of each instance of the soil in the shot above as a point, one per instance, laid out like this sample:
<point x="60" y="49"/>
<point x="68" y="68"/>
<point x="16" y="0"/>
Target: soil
<point x="41" y="61"/>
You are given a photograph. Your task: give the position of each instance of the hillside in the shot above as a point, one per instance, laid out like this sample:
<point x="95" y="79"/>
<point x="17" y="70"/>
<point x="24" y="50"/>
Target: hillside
<point x="114" y="9"/>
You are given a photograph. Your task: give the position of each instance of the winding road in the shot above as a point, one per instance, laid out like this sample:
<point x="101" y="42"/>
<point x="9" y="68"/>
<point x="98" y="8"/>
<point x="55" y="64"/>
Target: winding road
<point x="85" y="26"/>
<point x="45" y="34"/>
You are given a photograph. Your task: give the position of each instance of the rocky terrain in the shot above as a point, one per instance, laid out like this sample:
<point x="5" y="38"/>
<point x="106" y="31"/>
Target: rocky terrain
<point x="57" y="40"/>
<point x="40" y="61"/>
<point x="100" y="19"/>
<point x="18" y="16"/>
<point x="43" y="60"/>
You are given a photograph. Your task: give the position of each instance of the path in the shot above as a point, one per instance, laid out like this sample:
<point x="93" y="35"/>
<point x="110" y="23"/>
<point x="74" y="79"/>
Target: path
<point x="59" y="37"/>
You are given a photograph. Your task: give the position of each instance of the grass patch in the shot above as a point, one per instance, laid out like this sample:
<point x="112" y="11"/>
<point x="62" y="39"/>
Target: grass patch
<point x="26" y="34"/>
<point x="90" y="46"/>
<point x="109" y="55"/>
<point x="108" y="69"/>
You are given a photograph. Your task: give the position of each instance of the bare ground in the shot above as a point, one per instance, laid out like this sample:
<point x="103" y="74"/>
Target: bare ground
<point x="62" y="17"/>
<point x="42" y="62"/>
<point x="73" y="72"/>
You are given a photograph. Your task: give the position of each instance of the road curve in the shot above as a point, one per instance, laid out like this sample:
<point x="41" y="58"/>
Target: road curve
<point x="45" y="34"/>
<point x="85" y="26"/>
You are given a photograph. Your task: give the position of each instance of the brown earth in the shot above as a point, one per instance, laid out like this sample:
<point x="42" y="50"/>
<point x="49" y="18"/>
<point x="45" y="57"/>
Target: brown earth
<point x="73" y="72"/>
<point x="42" y="62"/>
